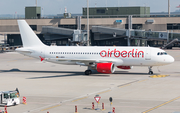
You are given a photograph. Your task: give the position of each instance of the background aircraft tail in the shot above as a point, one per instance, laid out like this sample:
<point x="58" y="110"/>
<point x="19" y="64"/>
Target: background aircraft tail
<point x="29" y="38"/>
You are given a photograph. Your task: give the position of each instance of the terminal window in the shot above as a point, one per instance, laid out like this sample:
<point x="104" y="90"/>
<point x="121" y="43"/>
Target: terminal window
<point x="72" y="26"/>
<point x="134" y="26"/>
<point x="175" y="26"/>
<point x="100" y="11"/>
<point x="68" y="26"/>
<point x="33" y="27"/>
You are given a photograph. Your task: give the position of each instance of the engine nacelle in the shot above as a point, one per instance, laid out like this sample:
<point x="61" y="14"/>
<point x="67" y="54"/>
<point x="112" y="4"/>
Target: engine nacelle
<point x="125" y="67"/>
<point x="106" y="68"/>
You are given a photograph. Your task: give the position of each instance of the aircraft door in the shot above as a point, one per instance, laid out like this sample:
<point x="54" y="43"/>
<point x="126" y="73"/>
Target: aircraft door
<point x="148" y="54"/>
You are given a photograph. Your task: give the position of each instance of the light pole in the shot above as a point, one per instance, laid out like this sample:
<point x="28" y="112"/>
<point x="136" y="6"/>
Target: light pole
<point x="87" y="22"/>
<point x="145" y="9"/>
<point x="169" y="7"/>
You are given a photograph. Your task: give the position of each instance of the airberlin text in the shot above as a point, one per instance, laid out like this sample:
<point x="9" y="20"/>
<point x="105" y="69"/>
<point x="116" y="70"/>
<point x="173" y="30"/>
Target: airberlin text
<point x="116" y="53"/>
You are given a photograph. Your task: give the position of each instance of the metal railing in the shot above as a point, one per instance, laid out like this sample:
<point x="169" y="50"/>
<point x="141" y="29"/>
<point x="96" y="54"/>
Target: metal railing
<point x="102" y="16"/>
<point x="170" y="43"/>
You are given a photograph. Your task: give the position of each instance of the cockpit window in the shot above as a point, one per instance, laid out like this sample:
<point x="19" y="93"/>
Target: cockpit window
<point x="161" y="53"/>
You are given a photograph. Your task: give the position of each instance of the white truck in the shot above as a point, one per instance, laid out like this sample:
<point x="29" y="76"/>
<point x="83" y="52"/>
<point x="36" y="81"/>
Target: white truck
<point x="9" y="98"/>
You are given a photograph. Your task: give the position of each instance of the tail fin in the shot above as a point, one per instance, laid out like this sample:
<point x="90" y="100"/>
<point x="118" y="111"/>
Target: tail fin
<point x="29" y="38"/>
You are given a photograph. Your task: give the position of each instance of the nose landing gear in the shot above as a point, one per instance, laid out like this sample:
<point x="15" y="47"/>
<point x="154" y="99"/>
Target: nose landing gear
<point x="150" y="70"/>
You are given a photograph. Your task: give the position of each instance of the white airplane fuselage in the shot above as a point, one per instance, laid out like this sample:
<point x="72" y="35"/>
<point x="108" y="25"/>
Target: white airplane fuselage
<point x="126" y="56"/>
<point x="102" y="59"/>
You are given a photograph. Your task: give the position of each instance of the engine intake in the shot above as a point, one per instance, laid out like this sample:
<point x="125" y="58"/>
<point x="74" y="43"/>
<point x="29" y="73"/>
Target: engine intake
<point x="106" y="68"/>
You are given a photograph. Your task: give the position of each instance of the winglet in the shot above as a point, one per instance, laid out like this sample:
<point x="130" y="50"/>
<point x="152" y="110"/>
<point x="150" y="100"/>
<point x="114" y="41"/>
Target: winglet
<point x="41" y="58"/>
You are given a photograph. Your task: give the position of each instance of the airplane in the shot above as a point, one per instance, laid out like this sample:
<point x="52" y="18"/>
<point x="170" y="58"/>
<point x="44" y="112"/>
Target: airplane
<point x="102" y="59"/>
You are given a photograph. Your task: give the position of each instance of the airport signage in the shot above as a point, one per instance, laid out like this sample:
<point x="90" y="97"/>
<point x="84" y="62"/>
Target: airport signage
<point x="97" y="99"/>
<point x="110" y="99"/>
<point x="163" y="35"/>
<point x="119" y="21"/>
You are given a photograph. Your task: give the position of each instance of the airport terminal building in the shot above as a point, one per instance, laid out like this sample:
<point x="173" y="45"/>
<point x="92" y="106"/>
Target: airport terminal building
<point x="109" y="26"/>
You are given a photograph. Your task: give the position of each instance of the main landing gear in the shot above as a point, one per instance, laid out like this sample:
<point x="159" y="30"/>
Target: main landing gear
<point x="88" y="72"/>
<point x="150" y="70"/>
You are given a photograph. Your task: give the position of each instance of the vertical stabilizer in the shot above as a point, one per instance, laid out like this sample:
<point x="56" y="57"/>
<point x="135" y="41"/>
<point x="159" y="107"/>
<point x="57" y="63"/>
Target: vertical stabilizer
<point x="29" y="38"/>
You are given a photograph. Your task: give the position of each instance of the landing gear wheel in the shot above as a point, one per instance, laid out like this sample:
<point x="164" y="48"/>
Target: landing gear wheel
<point x="150" y="72"/>
<point x="88" y="72"/>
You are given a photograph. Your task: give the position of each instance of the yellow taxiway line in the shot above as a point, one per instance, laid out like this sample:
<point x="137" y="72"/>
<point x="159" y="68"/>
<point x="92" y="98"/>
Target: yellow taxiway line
<point x="104" y="92"/>
<point x="80" y="99"/>
<point x="160" y="105"/>
<point x="158" y="76"/>
<point x="124" y="85"/>
<point x="142" y="80"/>
<point x="51" y="107"/>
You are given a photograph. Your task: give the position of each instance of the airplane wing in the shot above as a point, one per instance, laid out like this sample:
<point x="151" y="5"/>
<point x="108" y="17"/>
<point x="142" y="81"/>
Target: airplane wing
<point x="88" y="61"/>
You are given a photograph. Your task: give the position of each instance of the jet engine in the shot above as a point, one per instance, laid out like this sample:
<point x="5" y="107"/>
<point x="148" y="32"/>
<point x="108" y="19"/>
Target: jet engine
<point x="106" y="68"/>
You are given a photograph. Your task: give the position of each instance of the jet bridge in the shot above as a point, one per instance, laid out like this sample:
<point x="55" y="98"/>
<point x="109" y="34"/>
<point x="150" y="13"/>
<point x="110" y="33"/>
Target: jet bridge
<point x="136" y="35"/>
<point x="57" y="33"/>
<point x="113" y="32"/>
<point x="57" y="30"/>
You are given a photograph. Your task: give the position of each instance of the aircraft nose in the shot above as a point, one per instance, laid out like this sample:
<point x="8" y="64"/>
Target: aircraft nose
<point x="170" y="59"/>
